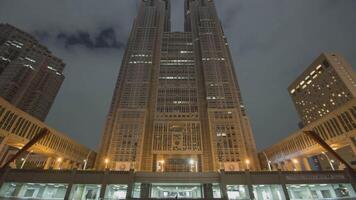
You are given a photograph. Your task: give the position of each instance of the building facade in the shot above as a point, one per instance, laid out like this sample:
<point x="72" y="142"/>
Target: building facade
<point x="177" y="104"/>
<point x="328" y="83"/>
<point x="54" y="151"/>
<point x="324" y="96"/>
<point x="30" y="76"/>
<point x="96" y="185"/>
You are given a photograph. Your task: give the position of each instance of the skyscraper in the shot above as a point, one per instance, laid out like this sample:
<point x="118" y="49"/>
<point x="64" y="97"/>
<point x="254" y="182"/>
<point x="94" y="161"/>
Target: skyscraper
<point x="327" y="84"/>
<point x="177" y="104"/>
<point x="30" y="76"/>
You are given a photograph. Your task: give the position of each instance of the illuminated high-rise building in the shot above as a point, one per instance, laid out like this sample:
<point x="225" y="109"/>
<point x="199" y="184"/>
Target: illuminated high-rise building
<point x="30" y="76"/>
<point x="327" y="84"/>
<point x="177" y="104"/>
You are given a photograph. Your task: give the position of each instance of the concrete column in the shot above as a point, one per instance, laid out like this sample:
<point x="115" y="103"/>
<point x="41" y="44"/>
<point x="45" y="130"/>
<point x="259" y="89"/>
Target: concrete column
<point x="297" y="164"/>
<point x="353" y="144"/>
<point x="3" y="148"/>
<point x="145" y="190"/>
<point x="249" y="184"/>
<point x="223" y="191"/>
<point x="48" y="163"/>
<point x="70" y="186"/>
<point x="103" y="185"/>
<point x="306" y="165"/>
<point x="208" y="190"/>
<point x="283" y="183"/>
<point x="66" y="164"/>
<point x="130" y="185"/>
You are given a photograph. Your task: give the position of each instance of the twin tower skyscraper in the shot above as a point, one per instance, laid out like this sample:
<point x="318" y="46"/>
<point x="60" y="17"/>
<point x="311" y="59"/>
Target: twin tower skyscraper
<point x="177" y="104"/>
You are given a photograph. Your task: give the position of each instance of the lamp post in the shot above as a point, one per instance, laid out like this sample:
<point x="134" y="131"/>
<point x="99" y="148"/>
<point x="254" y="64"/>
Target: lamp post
<point x="268" y="161"/>
<point x="85" y="164"/>
<point x="106" y="161"/>
<point x="247" y="161"/>
<point x="330" y="162"/>
<point x="25" y="159"/>
<point x="295" y="162"/>
<point x="59" y="160"/>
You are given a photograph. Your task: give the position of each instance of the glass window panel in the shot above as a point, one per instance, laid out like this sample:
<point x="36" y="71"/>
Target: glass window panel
<point x="321" y="191"/>
<point x="85" y="192"/>
<point x="45" y="191"/>
<point x="237" y="192"/>
<point x="268" y="192"/>
<point x="171" y="190"/>
<point x="136" y="190"/>
<point x="115" y="191"/>
<point x="216" y="190"/>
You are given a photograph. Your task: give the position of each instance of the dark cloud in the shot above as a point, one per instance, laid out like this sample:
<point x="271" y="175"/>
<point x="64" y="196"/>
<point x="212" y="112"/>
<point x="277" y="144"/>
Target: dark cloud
<point x="105" y="39"/>
<point x="272" y="42"/>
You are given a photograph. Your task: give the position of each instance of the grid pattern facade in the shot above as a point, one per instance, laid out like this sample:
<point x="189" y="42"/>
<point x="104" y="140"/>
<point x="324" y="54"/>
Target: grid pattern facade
<point x="324" y="86"/>
<point x="30" y="76"/>
<point x="17" y="128"/>
<point x="183" y="90"/>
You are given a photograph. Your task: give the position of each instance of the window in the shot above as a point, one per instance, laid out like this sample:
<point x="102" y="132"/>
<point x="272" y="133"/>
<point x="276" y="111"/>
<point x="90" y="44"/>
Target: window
<point x="85" y="191"/>
<point x="320" y="191"/>
<point x="265" y="192"/>
<point x="235" y="192"/>
<point x="117" y="191"/>
<point x="45" y="191"/>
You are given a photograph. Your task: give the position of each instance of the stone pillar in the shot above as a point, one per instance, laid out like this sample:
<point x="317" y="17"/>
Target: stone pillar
<point x="282" y="181"/>
<point x="145" y="190"/>
<point x="70" y="185"/>
<point x="249" y="184"/>
<point x="66" y="164"/>
<point x="48" y="163"/>
<point x="3" y="147"/>
<point x="103" y="185"/>
<point x="353" y="144"/>
<point x="130" y="185"/>
<point x="223" y="190"/>
<point x="208" y="190"/>
<point x="306" y="165"/>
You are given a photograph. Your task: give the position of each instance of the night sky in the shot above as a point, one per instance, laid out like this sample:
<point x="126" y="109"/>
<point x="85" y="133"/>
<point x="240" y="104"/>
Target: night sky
<point x="272" y="42"/>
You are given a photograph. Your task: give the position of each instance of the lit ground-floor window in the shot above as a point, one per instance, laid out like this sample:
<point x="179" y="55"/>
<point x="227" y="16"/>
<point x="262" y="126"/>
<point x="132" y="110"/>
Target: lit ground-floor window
<point x="237" y="192"/>
<point x="115" y="191"/>
<point x="268" y="192"/>
<point x="85" y="191"/>
<point x="45" y="191"/>
<point x="321" y="191"/>
<point x="171" y="190"/>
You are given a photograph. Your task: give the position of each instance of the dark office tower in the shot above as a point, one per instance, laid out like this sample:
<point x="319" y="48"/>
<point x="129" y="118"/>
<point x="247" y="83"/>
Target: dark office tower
<point x="177" y="104"/>
<point x="30" y="76"/>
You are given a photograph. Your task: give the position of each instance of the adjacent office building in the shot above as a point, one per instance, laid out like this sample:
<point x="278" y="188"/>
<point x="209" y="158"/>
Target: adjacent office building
<point x="30" y="75"/>
<point x="324" y="96"/>
<point x="327" y="84"/>
<point x="177" y="104"/>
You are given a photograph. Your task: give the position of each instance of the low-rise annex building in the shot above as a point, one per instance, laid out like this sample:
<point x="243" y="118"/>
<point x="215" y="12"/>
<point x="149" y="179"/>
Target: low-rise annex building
<point x="242" y="185"/>
<point x="299" y="152"/>
<point x="55" y="150"/>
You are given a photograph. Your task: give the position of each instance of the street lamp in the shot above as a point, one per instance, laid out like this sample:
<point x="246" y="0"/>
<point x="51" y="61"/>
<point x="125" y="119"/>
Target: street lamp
<point x="106" y="161"/>
<point x="295" y="162"/>
<point x="330" y="161"/>
<point x="85" y="164"/>
<point x="59" y="160"/>
<point x="247" y="161"/>
<point x="25" y="159"/>
<point x="268" y="161"/>
<point x="160" y="165"/>
<point x="193" y="165"/>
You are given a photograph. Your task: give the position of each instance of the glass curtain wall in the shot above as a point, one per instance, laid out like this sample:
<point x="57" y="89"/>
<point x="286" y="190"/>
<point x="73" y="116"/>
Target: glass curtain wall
<point x="45" y="191"/>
